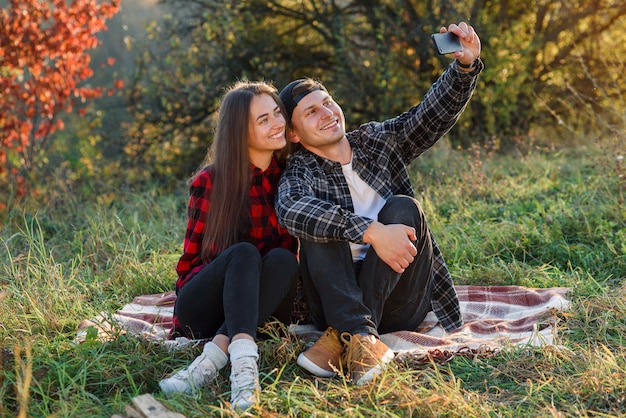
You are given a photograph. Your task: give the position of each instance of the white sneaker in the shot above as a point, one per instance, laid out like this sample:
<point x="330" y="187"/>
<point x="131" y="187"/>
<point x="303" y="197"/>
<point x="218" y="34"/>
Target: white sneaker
<point x="200" y="372"/>
<point x="244" y="374"/>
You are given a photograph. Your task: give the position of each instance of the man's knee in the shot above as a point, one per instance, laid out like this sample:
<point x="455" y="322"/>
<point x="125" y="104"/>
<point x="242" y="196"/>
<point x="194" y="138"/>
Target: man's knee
<point x="401" y="209"/>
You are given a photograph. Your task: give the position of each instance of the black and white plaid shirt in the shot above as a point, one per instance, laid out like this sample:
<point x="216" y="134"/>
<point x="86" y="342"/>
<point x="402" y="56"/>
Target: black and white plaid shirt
<point x="314" y="201"/>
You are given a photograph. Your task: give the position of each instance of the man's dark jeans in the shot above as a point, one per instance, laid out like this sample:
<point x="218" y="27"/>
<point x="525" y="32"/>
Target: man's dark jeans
<point x="369" y="297"/>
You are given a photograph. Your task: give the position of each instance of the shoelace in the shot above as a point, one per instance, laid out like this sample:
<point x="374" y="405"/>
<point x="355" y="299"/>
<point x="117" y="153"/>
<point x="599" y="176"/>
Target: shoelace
<point x="204" y="371"/>
<point x="330" y="341"/>
<point x="353" y="351"/>
<point x="356" y="351"/>
<point x="245" y="378"/>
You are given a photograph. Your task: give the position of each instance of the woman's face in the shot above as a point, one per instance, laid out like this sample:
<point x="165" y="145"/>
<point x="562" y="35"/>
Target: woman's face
<point x="266" y="129"/>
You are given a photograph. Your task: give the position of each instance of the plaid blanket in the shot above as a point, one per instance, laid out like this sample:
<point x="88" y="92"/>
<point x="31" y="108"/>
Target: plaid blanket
<point x="495" y="317"/>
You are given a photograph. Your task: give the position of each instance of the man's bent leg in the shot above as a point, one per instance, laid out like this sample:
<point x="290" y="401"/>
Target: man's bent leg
<point x="399" y="301"/>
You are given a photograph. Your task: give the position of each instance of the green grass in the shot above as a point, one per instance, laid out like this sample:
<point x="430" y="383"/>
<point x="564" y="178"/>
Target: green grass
<point x="538" y="219"/>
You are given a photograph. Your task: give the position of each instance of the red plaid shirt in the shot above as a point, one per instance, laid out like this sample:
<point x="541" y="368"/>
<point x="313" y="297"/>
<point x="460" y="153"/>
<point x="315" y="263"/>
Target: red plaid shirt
<point x="265" y="233"/>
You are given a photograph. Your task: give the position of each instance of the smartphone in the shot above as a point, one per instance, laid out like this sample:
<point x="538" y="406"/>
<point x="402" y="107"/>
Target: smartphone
<point x="446" y="43"/>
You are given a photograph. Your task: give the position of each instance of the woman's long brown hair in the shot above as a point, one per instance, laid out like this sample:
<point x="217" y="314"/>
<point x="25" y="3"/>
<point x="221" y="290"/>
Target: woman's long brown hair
<point x="228" y="219"/>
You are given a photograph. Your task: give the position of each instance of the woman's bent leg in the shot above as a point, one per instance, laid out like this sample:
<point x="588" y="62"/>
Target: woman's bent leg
<point x="278" y="285"/>
<point x="224" y="296"/>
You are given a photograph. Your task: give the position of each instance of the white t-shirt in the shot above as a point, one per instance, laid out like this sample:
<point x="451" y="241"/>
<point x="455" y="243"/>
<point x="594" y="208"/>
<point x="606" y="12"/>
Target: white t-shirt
<point x="366" y="201"/>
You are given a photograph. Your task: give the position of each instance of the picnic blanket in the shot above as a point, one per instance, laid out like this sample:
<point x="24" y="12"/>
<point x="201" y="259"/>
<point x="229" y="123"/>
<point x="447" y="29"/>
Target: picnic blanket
<point x="494" y="317"/>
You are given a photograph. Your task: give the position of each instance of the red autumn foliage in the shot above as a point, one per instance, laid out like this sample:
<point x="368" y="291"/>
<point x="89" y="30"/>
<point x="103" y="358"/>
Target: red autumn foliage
<point x="44" y="55"/>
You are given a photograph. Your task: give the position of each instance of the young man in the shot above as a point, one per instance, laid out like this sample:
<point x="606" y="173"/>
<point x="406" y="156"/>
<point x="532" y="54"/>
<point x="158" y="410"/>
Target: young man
<point x="368" y="260"/>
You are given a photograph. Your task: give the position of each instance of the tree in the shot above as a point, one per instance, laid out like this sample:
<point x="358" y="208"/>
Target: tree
<point x="206" y="44"/>
<point x="535" y="76"/>
<point x="377" y="59"/>
<point x="44" y="57"/>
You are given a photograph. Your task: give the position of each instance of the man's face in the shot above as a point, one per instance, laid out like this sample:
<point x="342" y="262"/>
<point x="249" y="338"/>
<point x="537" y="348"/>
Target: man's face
<point x="318" y="122"/>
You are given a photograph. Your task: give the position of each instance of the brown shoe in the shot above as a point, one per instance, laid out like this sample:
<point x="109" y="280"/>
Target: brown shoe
<point x="365" y="357"/>
<point x="322" y="359"/>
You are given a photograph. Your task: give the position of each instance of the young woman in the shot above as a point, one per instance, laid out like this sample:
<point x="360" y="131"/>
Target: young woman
<point x="238" y="265"/>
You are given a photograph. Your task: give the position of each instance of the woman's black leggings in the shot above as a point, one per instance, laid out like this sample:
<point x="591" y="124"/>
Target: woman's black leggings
<point x="238" y="291"/>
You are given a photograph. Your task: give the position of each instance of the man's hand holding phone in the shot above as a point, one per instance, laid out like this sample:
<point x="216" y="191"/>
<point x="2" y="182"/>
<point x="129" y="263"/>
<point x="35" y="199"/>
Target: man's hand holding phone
<point x="466" y="37"/>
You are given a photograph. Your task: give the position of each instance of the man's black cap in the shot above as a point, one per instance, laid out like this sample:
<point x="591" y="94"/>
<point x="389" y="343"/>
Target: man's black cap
<point x="290" y="102"/>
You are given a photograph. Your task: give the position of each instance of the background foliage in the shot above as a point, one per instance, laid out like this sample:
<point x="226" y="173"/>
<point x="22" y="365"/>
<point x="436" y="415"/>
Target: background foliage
<point x="548" y="63"/>
<point x="553" y="74"/>
<point x="44" y="56"/>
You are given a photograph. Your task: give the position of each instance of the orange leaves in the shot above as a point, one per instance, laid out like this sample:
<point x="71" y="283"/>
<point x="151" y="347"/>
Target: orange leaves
<point x="45" y="55"/>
